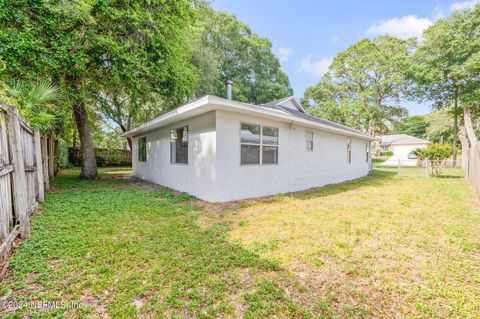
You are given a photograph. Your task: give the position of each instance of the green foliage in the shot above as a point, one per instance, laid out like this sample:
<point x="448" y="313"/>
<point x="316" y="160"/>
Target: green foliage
<point x="89" y="47"/>
<point x="37" y="104"/>
<point x="223" y="47"/>
<point x="435" y="152"/>
<point x="388" y="153"/>
<point x="436" y="156"/>
<point x="63" y="154"/>
<point x="446" y="65"/>
<point x="440" y="126"/>
<point x="363" y="85"/>
<point x="414" y="125"/>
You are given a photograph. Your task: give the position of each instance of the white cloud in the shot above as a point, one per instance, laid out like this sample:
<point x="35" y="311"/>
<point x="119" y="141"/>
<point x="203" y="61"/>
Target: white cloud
<point x="464" y="5"/>
<point x="284" y="54"/>
<point x="438" y="13"/>
<point x="333" y="39"/>
<point x="405" y="27"/>
<point x="317" y="67"/>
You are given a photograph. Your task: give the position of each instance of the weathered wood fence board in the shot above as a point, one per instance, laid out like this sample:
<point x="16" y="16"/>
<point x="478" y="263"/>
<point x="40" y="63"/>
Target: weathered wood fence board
<point x="23" y="159"/>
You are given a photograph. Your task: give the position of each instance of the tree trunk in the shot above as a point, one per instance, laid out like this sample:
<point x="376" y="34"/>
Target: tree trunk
<point x="89" y="164"/>
<point x="464" y="141"/>
<point x="455" y="129"/>
<point x="467" y="118"/>
<point x="125" y="129"/>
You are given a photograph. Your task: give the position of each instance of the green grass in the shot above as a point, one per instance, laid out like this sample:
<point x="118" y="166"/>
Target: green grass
<point x="382" y="246"/>
<point x="380" y="159"/>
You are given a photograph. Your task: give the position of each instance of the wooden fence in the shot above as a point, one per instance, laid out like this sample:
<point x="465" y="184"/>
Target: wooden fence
<point x="473" y="172"/>
<point x="104" y="157"/>
<point x="27" y="162"/>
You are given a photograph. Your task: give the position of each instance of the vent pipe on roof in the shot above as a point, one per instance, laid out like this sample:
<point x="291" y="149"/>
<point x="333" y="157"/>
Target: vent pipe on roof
<point x="229" y="83"/>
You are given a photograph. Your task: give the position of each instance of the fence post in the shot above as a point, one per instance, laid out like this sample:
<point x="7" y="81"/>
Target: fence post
<point x="45" y="161"/>
<point x="19" y="179"/>
<point x="398" y="167"/>
<point x="39" y="164"/>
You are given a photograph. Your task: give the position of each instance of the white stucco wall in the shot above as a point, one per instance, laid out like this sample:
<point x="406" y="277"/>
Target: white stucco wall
<point x="401" y="151"/>
<point x="296" y="170"/>
<point x="196" y="178"/>
<point x="214" y="172"/>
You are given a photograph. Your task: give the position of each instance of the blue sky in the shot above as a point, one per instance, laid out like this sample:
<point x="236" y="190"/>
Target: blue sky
<point x="306" y="34"/>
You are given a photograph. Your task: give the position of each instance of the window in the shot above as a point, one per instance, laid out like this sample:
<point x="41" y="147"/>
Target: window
<point x="269" y="145"/>
<point x="349" y="151"/>
<point x="309" y="141"/>
<point x="142" y="149"/>
<point x="258" y="144"/>
<point x="367" y="151"/>
<point x="179" y="145"/>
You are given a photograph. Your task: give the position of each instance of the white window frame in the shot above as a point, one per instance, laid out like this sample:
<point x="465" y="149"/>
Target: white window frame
<point x="260" y="144"/>
<point x="308" y="141"/>
<point x="349" y="150"/>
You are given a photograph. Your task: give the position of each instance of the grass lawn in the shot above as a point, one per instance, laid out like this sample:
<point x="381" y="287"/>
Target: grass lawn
<point x="380" y="159"/>
<point x="384" y="246"/>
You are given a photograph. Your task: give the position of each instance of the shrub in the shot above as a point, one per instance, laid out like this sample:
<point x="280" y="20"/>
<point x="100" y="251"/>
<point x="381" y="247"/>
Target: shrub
<point x="389" y="153"/>
<point x="436" y="156"/>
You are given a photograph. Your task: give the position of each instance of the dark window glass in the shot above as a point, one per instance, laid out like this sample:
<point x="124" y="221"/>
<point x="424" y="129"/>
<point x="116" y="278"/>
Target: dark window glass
<point x="179" y="145"/>
<point x="270" y="154"/>
<point x="349" y="151"/>
<point x="142" y="149"/>
<point x="256" y="148"/>
<point x="250" y="154"/>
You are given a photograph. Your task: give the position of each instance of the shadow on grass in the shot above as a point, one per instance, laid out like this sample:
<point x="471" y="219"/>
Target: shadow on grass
<point x="128" y="252"/>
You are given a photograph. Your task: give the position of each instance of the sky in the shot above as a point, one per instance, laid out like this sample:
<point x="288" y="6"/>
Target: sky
<point x="307" y="34"/>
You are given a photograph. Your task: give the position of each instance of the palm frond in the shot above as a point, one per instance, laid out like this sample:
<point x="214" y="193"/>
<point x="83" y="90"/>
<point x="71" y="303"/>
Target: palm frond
<point x="41" y="92"/>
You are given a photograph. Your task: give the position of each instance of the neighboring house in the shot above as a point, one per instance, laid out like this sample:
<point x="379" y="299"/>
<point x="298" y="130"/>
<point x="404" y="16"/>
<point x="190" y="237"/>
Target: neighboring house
<point x="221" y="150"/>
<point x="402" y="146"/>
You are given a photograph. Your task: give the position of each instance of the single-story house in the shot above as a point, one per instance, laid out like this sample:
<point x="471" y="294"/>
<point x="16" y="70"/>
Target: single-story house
<point x="402" y="146"/>
<point x="222" y="150"/>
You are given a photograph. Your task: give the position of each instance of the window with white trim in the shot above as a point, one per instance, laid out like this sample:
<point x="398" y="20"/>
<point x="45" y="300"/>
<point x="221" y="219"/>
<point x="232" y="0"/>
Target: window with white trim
<point x="309" y="141"/>
<point x="179" y="145"/>
<point x="349" y="150"/>
<point x="142" y="149"/>
<point x="258" y="144"/>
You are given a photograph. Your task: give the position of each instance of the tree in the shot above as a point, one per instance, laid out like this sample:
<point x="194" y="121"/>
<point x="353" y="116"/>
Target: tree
<point x="440" y="126"/>
<point x="447" y="63"/>
<point x="80" y="44"/>
<point x="365" y="82"/>
<point x="224" y="48"/>
<point x="436" y="155"/>
<point x="412" y="125"/>
<point x="35" y="101"/>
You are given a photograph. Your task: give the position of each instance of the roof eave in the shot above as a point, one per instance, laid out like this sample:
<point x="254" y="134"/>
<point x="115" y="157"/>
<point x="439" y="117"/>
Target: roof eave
<point x="217" y="103"/>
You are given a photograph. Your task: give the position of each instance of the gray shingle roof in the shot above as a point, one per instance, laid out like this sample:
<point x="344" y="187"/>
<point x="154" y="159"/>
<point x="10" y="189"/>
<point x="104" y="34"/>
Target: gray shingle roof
<point x="305" y="116"/>
<point x="401" y="139"/>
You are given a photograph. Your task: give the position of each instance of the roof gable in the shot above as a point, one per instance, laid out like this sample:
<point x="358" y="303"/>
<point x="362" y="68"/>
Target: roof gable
<point x="289" y="102"/>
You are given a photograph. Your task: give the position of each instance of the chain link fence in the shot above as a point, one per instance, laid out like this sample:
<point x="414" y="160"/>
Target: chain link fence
<point x="424" y="169"/>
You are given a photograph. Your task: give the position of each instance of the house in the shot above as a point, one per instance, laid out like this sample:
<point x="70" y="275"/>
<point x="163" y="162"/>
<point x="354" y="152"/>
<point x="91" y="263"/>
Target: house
<point x="402" y="146"/>
<point x="222" y="150"/>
